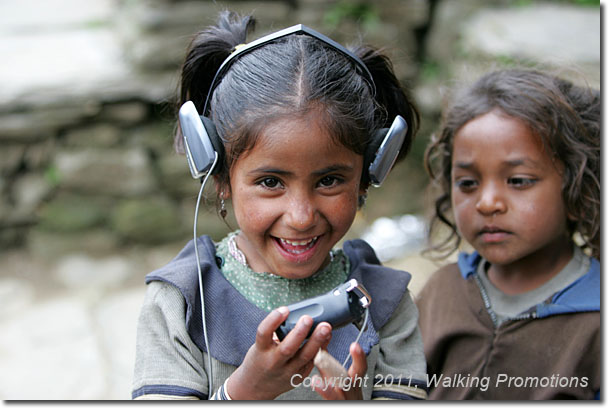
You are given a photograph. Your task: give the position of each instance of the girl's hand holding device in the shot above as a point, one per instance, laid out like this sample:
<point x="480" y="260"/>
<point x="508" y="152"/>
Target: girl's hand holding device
<point x="269" y="364"/>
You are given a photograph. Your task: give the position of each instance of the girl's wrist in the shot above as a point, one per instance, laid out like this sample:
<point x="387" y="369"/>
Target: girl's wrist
<point x="239" y="388"/>
<point x="233" y="387"/>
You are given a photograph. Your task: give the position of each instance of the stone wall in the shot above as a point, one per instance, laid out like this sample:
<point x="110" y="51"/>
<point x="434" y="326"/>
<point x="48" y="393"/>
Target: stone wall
<point x="86" y="120"/>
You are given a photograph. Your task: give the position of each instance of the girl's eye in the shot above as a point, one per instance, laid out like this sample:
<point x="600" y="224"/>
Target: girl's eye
<point x="270" y="182"/>
<point x="329" y="181"/>
<point x="466" y="184"/>
<point x="521" y="182"/>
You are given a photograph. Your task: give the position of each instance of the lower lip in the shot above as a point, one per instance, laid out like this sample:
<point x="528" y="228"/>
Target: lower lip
<point x="297" y="257"/>
<point x="494" y="237"/>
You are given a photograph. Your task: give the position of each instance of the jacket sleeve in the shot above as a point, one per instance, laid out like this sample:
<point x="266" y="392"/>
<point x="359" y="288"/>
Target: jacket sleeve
<point x="400" y="372"/>
<point x="168" y="364"/>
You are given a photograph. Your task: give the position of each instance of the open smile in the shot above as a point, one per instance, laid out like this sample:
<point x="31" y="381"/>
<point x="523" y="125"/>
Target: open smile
<point x="297" y="250"/>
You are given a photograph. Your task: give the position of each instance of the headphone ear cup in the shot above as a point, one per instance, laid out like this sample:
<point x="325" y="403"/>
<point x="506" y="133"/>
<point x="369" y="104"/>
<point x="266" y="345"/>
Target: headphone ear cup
<point x="384" y="150"/>
<point x="371" y="152"/>
<point x="219" y="147"/>
<point x="198" y="145"/>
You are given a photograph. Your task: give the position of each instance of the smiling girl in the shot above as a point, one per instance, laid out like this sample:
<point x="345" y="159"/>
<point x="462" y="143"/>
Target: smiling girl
<point x="295" y="116"/>
<point x="518" y="160"/>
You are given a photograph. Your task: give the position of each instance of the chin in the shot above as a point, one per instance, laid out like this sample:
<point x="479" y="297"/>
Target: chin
<point x="495" y="258"/>
<point x="296" y="273"/>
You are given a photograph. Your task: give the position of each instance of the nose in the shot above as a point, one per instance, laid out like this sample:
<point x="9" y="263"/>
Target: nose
<point x="301" y="212"/>
<point x="491" y="200"/>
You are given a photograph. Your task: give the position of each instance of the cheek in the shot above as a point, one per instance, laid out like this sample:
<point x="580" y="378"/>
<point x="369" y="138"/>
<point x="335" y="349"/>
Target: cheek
<point x="249" y="214"/>
<point x="539" y="219"/>
<point x="341" y="212"/>
<point x="463" y="209"/>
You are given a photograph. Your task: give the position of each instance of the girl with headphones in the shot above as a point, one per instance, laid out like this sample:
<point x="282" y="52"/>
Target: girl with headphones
<point x="294" y="128"/>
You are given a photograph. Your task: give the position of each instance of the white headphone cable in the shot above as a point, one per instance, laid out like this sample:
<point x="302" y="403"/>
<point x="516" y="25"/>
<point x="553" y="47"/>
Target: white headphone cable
<point x="364" y="324"/>
<point x="205" y="331"/>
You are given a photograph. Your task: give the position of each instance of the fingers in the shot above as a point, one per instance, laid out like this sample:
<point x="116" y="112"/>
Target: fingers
<point x="356" y="370"/>
<point x="293" y="340"/>
<point x="291" y="351"/>
<point x="332" y="376"/>
<point x="265" y="330"/>
<point x="359" y="366"/>
<point x="334" y="386"/>
<point x="327" y="390"/>
<point x="319" y="339"/>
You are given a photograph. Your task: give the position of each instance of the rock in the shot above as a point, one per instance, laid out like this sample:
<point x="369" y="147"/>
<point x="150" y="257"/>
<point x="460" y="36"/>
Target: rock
<point x="518" y="32"/>
<point x="176" y="177"/>
<point x="96" y="135"/>
<point x="122" y="172"/>
<point x="148" y="220"/>
<point x="41" y="123"/>
<point x="100" y="66"/>
<point x="12" y="236"/>
<point x="450" y="17"/>
<point x="49" y="246"/>
<point x="73" y="213"/>
<point x="517" y="35"/>
<point x="38" y="156"/>
<point x="52" y="14"/>
<point x="156" y="136"/>
<point x="10" y="158"/>
<point x="125" y="113"/>
<point x="29" y="190"/>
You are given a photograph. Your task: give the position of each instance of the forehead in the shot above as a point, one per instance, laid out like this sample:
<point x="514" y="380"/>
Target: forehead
<point x="296" y="131"/>
<point x="296" y="141"/>
<point x="496" y="136"/>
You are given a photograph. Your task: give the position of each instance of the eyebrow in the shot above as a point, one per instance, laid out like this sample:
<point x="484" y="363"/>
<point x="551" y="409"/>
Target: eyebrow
<point x="334" y="168"/>
<point x="462" y="165"/>
<point x="323" y="171"/>
<point x="264" y="170"/>
<point x="511" y="163"/>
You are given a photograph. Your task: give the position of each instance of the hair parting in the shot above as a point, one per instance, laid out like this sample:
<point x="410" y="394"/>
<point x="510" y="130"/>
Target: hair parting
<point x="290" y="77"/>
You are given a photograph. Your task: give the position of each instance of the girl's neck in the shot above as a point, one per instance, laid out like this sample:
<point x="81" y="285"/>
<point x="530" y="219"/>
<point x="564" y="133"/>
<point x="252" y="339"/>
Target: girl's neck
<point x="532" y="271"/>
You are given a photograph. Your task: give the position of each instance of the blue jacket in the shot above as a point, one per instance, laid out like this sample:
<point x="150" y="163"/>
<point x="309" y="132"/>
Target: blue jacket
<point x="583" y="295"/>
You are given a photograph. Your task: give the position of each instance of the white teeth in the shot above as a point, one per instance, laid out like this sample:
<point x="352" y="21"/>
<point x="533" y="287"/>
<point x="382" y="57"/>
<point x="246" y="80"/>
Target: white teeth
<point x="298" y="243"/>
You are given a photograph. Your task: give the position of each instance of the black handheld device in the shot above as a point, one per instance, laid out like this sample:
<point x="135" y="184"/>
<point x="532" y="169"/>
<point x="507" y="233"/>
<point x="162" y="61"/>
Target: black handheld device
<point x="343" y="305"/>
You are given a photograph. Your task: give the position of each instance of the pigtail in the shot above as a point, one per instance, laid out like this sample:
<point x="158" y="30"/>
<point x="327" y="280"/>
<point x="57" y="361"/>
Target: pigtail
<point x="204" y="55"/>
<point x="390" y="94"/>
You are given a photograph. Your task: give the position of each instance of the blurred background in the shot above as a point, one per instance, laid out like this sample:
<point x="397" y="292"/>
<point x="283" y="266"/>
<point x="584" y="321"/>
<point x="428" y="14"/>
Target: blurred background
<point x="93" y="197"/>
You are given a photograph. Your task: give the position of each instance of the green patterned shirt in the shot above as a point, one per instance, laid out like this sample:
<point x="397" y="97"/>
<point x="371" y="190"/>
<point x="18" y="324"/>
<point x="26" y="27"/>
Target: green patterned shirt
<point x="269" y="291"/>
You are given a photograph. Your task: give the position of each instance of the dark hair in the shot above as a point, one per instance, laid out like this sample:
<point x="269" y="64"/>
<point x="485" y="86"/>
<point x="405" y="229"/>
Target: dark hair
<point x="567" y="119"/>
<point x="289" y="78"/>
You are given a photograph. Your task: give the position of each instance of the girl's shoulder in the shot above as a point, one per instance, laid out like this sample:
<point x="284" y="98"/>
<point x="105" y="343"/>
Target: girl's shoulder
<point x="186" y="260"/>
<point x="386" y="285"/>
<point x="446" y="282"/>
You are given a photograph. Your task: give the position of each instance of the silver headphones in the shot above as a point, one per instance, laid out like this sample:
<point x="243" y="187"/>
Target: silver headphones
<point x="202" y="143"/>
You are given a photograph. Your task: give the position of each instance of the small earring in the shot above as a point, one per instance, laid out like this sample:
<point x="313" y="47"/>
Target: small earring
<point x="223" y="210"/>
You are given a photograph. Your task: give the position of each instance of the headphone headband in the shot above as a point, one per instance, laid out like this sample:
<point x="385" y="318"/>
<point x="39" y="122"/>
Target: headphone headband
<point x="204" y="148"/>
<point x="296" y="29"/>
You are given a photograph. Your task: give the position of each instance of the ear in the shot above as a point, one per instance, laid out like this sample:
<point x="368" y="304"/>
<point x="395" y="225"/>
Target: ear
<point x="362" y="194"/>
<point x="363" y="191"/>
